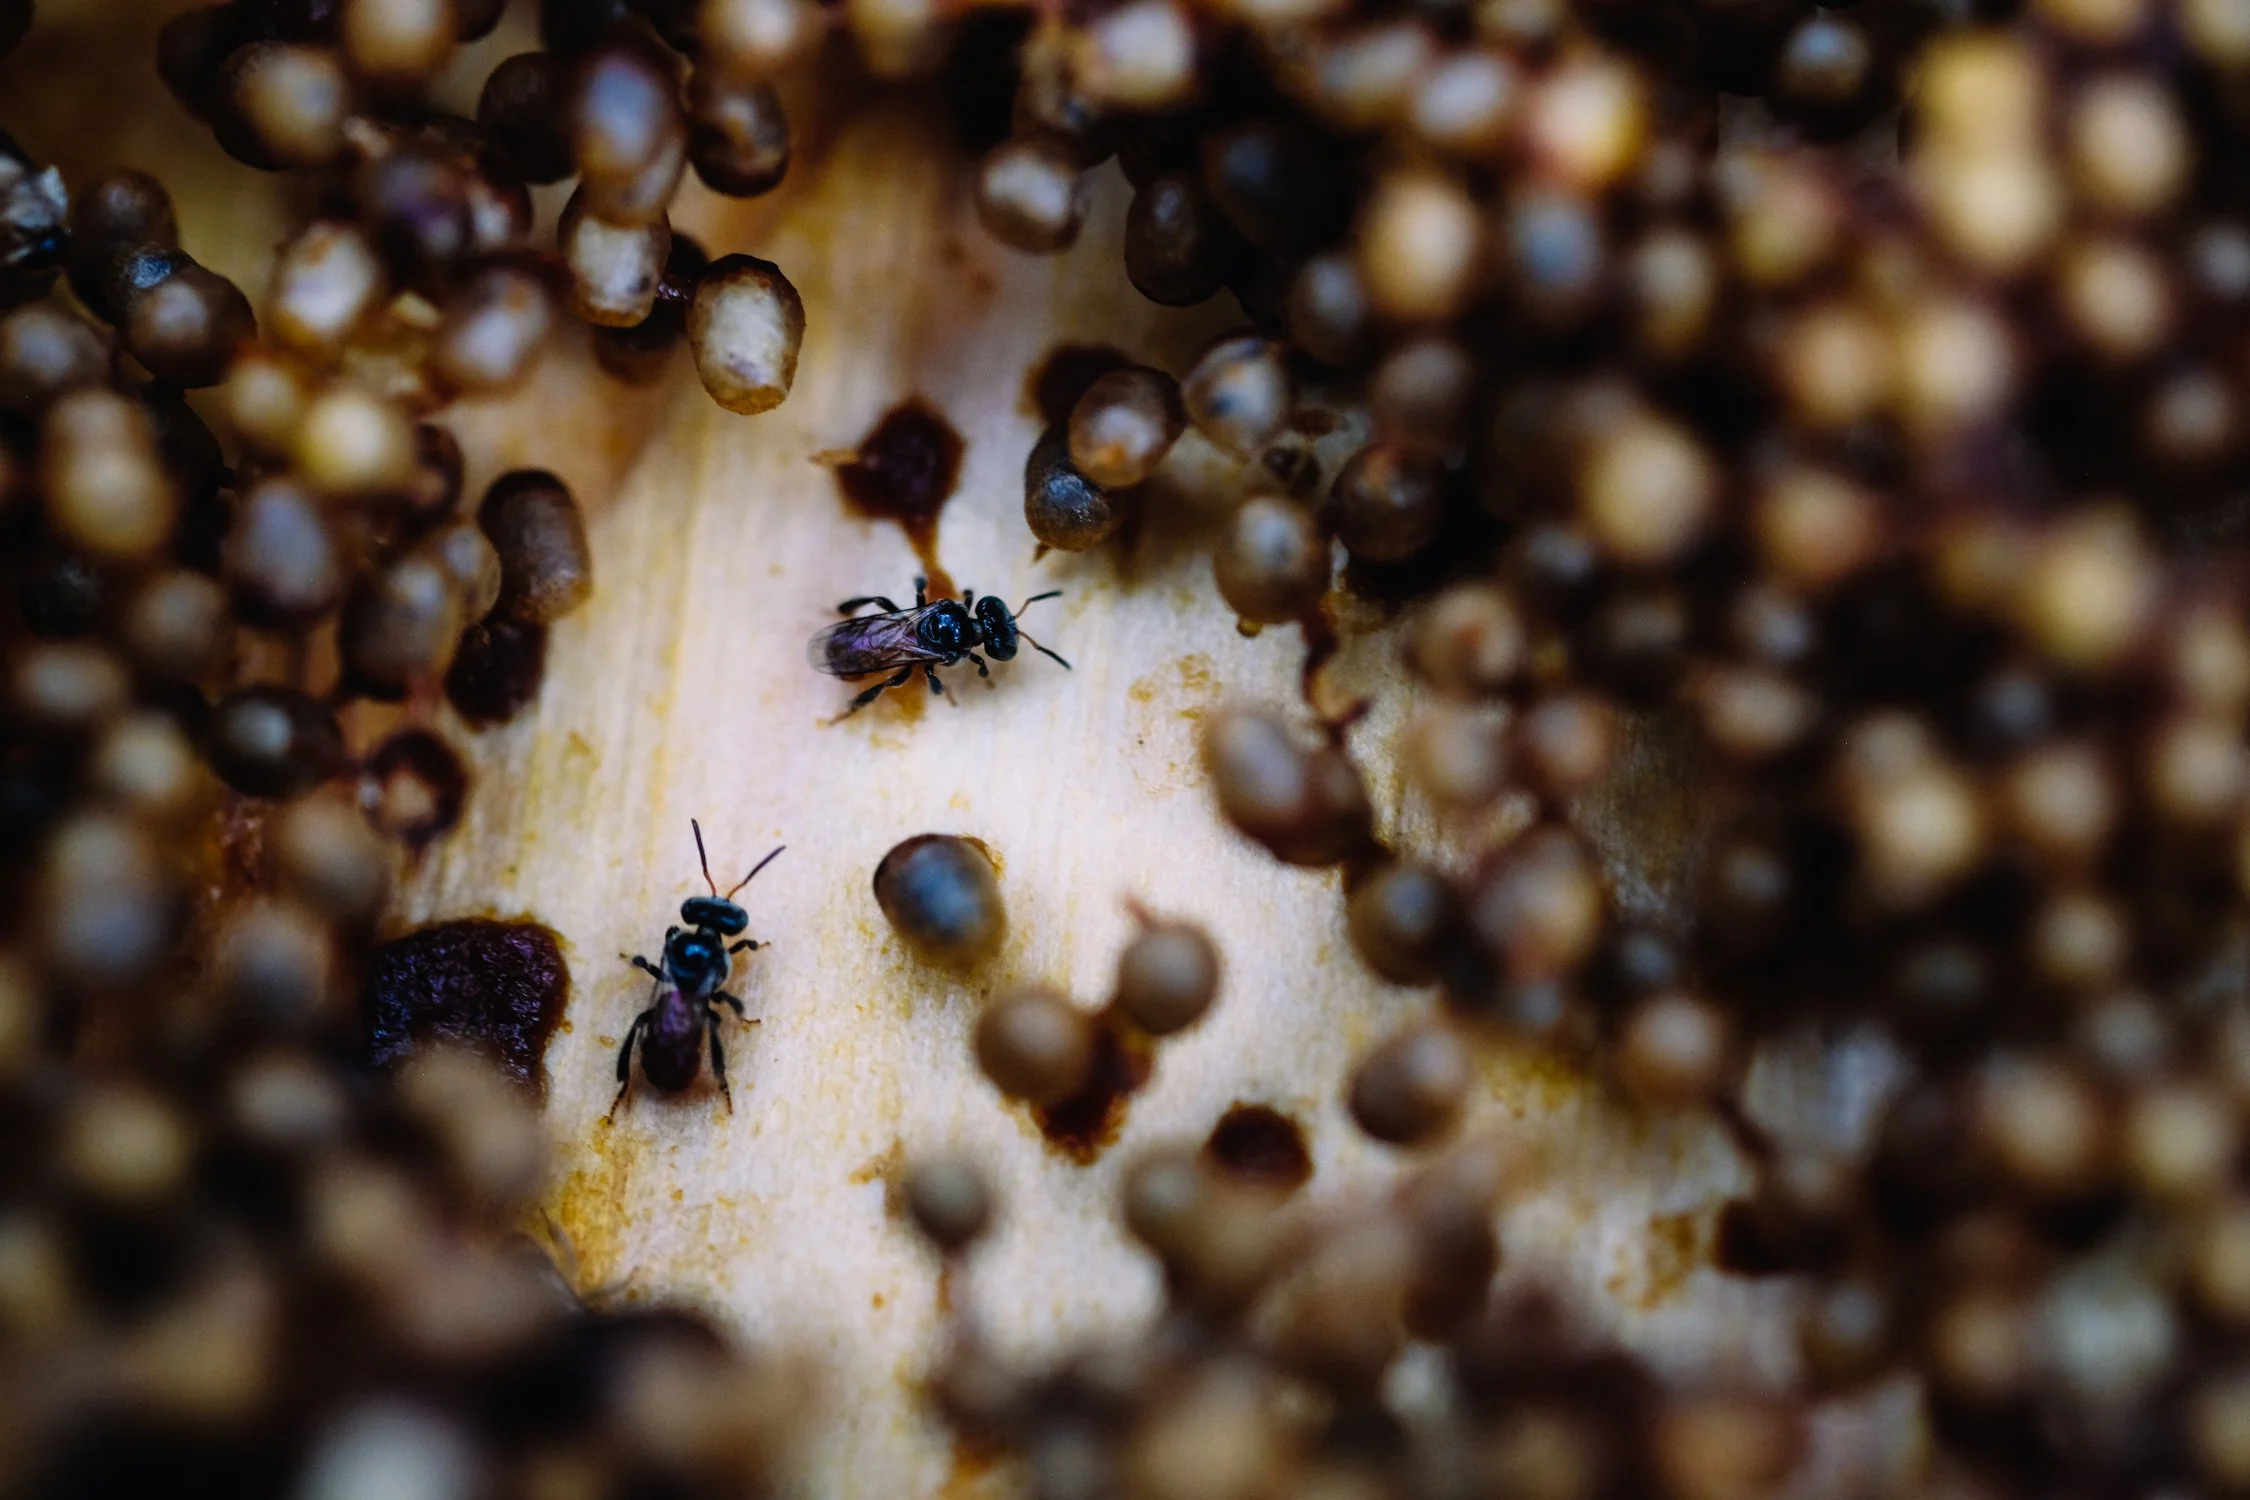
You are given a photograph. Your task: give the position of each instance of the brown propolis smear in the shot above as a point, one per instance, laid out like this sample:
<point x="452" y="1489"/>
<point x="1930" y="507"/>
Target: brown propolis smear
<point x="1083" y="1126"/>
<point x="1054" y="385"/>
<point x="497" y="986"/>
<point x="904" y="470"/>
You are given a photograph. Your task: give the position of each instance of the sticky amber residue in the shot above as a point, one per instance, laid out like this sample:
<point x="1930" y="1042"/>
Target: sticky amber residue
<point x="999" y="864"/>
<point x="1084" y="1125"/>
<point x="888" y="1168"/>
<point x="499" y="987"/>
<point x="589" y="1207"/>
<point x="904" y="470"/>
<point x="1260" y="1144"/>
<point x="1056" y="382"/>
<point x="975" y="1471"/>
<point x="1530" y="1081"/>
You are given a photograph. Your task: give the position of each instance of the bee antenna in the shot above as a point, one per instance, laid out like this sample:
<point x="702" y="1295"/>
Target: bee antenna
<point x="705" y="858"/>
<point x="754" y="869"/>
<point x="1045" y="652"/>
<point x="1035" y="598"/>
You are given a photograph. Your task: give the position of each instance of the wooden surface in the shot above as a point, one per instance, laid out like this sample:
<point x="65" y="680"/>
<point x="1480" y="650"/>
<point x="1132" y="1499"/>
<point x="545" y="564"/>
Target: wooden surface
<point x="681" y="690"/>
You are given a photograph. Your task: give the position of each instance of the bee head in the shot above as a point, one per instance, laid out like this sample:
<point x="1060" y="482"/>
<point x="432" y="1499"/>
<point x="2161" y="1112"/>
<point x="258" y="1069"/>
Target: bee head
<point x="715" y="912"/>
<point x="997" y="626"/>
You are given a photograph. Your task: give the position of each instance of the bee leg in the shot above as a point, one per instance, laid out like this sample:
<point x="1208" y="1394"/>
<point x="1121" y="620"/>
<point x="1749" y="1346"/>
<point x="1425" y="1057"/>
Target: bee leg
<point x="750" y="945"/>
<point x="937" y="688"/>
<point x="896" y="679"/>
<point x="718" y="1058"/>
<point x="644" y="965"/>
<point x="849" y="605"/>
<point x="921" y="592"/>
<point x="734" y="1000"/>
<point x="625" y="1064"/>
<point x="982" y="669"/>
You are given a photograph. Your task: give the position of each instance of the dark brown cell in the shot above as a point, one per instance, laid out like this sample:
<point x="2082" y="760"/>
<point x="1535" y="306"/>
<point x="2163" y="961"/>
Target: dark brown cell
<point x="950" y="1200"/>
<point x="1329" y="314"/>
<point x="1307" y="806"/>
<point x="400" y="628"/>
<point x="1276" y="186"/>
<point x="46" y="351"/>
<point x="497" y="671"/>
<point x="499" y="987"/>
<point x="1261" y="1145"/>
<point x="628" y="135"/>
<point x="272" y="741"/>
<point x="476" y="19"/>
<point x="1035" y="1046"/>
<point x="188" y="327"/>
<point x="942" y="895"/>
<point x="1404" y="920"/>
<point x="1167" y="977"/>
<point x="1826" y="74"/>
<point x="1064" y="509"/>
<point x="745" y="327"/>
<point x="738" y="137"/>
<point x="1030" y="195"/>
<point x="1388" y="503"/>
<point x="497" y="325"/>
<point x="64" y="594"/>
<point x="1124" y="424"/>
<point x="1178" y="249"/>
<point x="413" y="786"/>
<point x="469" y="559"/>
<point x="1239" y="393"/>
<point x="524" y="109"/>
<point x="320" y="851"/>
<point x="283" y="564"/>
<point x="280" y="104"/>
<point x="115" y="213"/>
<point x="395" y="45"/>
<point x="639" y="355"/>
<point x="415" y="201"/>
<point x="177" y="625"/>
<point x="192" y="49"/>
<point x="546" y="567"/>
<point x="435" y="490"/>
<point x="1273" y="563"/>
<point x="1411" y="1088"/>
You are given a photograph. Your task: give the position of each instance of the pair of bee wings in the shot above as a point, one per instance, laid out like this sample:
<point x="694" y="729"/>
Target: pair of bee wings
<point x="867" y="644"/>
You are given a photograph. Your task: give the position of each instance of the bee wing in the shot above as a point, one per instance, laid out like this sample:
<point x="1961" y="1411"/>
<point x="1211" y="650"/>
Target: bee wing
<point x="866" y="645"/>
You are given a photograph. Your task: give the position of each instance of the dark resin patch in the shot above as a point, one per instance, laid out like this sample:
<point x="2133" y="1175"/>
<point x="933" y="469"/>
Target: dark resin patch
<point x="1083" y="1126"/>
<point x="499" y="987"/>
<point x="1261" y="1145"/>
<point x="1056" y="382"/>
<point x="496" y="673"/>
<point x="904" y="471"/>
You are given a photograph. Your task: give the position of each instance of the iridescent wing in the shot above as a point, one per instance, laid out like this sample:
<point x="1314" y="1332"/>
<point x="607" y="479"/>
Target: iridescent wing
<point x="869" y="644"/>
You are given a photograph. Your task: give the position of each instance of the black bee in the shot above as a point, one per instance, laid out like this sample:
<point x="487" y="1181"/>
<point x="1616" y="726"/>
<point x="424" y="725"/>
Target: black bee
<point x="924" y="638"/>
<point x="683" y="1006"/>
